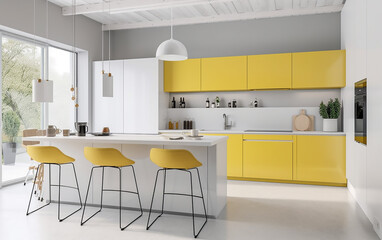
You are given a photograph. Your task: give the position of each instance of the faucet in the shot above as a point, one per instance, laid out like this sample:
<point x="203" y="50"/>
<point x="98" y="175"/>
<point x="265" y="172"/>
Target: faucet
<point x="226" y="125"/>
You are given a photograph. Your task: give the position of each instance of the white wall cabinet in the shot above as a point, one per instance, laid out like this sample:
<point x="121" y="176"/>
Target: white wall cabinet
<point x="108" y="111"/>
<point x="134" y="108"/>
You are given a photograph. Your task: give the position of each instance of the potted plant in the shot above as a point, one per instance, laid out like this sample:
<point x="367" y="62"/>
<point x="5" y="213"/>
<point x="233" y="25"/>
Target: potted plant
<point x="330" y="114"/>
<point x="11" y="126"/>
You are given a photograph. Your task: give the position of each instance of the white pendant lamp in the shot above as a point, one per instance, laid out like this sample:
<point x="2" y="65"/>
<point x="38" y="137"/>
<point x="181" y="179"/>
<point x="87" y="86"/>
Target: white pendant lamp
<point x="107" y="78"/>
<point x="107" y="85"/>
<point x="42" y="90"/>
<point x="172" y="50"/>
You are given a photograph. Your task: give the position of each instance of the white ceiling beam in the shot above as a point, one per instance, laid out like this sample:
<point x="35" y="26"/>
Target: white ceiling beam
<point x="229" y="17"/>
<point x="123" y="6"/>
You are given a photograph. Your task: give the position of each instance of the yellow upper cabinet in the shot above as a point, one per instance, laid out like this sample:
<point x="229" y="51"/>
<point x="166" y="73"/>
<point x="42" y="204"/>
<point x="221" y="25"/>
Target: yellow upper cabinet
<point x="224" y="74"/>
<point x="271" y="71"/>
<point x="321" y="159"/>
<point x="324" y="69"/>
<point x="182" y="76"/>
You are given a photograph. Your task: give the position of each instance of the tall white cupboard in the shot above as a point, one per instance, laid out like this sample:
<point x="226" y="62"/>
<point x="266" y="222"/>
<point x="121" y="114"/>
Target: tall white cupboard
<point x="135" y="106"/>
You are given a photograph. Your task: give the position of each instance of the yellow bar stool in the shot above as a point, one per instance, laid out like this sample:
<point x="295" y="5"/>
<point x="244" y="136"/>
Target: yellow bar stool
<point x="47" y="155"/>
<point x="181" y="160"/>
<point x="110" y="158"/>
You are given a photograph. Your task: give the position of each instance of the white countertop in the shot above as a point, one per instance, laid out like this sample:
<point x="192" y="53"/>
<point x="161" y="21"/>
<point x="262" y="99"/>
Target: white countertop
<point x="321" y="133"/>
<point x="206" y="141"/>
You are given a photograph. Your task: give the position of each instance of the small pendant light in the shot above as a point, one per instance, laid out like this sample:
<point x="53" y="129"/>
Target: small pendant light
<point x="172" y="50"/>
<point x="42" y="91"/>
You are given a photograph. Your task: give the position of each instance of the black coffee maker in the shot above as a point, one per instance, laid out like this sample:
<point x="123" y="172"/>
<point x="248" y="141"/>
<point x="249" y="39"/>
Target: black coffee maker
<point x="82" y="128"/>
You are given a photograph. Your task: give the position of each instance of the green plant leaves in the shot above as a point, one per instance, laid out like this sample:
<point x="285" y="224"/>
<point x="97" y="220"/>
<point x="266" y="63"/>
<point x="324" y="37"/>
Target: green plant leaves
<point x="332" y="110"/>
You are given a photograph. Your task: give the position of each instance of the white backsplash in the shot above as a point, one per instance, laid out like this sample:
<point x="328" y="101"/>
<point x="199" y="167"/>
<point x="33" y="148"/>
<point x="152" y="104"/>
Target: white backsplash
<point x="263" y="118"/>
<point x="274" y="98"/>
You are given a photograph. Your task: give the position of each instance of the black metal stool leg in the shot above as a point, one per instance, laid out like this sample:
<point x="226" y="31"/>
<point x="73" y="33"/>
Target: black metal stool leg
<point x="192" y="205"/>
<point x="152" y="200"/>
<point x="120" y="200"/>
<point x="34" y="184"/>
<point x="59" y="195"/>
<point x="78" y="187"/>
<point x="136" y="186"/>
<point x="86" y="199"/>
<point x="204" y="205"/>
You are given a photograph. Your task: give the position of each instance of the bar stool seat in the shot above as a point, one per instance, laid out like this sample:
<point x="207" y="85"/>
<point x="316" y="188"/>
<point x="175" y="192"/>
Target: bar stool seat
<point x="174" y="159"/>
<point x="110" y="158"/>
<point x="181" y="160"/>
<point x="48" y="155"/>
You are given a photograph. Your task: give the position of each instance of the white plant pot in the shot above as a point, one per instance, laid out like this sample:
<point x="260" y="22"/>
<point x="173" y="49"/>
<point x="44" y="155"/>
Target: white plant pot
<point x="330" y="125"/>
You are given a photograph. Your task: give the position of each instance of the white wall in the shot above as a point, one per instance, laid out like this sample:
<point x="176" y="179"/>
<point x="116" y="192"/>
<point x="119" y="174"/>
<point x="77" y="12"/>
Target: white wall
<point x="243" y="118"/>
<point x="273" y="98"/>
<point x="362" y="39"/>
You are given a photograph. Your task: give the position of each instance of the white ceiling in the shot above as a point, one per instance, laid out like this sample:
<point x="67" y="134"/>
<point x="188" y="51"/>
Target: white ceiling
<point x="130" y="14"/>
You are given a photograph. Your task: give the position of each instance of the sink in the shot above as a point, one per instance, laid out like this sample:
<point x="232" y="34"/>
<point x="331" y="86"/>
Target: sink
<point x="268" y="130"/>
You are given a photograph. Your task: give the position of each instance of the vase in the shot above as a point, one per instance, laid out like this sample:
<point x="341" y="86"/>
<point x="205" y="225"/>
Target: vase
<point x="330" y="125"/>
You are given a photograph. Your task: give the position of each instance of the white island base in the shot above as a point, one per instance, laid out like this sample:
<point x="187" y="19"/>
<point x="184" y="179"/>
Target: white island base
<point x="211" y="152"/>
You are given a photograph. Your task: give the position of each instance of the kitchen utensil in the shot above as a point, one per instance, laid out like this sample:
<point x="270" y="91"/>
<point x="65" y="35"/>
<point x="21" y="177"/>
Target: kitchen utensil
<point x="303" y="122"/>
<point x="82" y="128"/>
<point x="194" y="132"/>
<point x="66" y="132"/>
<point x="51" y="131"/>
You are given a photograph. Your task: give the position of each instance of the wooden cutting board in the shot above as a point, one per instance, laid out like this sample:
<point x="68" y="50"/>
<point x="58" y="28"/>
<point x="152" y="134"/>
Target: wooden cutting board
<point x="303" y="122"/>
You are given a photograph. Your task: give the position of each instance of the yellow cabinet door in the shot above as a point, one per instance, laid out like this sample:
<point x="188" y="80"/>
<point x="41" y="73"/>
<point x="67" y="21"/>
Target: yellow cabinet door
<point x="224" y="74"/>
<point x="271" y="71"/>
<point x="325" y="69"/>
<point x="321" y="159"/>
<point x="234" y="154"/>
<point x="182" y="76"/>
<point x="268" y="159"/>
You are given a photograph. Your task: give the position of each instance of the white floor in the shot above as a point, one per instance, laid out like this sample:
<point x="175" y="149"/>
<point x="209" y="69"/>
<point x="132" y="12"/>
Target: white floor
<point x="254" y="211"/>
<point x="17" y="170"/>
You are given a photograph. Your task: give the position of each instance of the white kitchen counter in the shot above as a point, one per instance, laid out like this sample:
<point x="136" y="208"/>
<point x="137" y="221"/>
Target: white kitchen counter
<point x="319" y="133"/>
<point x="206" y="141"/>
<point x="211" y="151"/>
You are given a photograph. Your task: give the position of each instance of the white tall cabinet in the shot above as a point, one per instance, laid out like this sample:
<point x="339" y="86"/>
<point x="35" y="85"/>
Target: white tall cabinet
<point x="135" y="106"/>
<point x="108" y="111"/>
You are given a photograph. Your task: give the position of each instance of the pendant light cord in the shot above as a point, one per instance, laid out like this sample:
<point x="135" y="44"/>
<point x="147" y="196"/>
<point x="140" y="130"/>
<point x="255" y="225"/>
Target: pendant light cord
<point x="172" y="24"/>
<point x="102" y="34"/>
<point x="75" y="93"/>
<point x="109" y="44"/>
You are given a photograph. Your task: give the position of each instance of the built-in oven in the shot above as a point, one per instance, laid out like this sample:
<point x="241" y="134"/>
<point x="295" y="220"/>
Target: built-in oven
<point x="360" y="112"/>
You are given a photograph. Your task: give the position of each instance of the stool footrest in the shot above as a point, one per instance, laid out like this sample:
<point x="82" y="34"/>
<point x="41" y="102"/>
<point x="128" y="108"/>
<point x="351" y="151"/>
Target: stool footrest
<point x="182" y="194"/>
<point x="55" y="185"/>
<point x="114" y="190"/>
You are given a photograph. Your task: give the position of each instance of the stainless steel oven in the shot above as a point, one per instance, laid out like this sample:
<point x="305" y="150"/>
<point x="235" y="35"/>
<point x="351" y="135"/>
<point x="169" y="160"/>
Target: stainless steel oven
<point x="360" y="111"/>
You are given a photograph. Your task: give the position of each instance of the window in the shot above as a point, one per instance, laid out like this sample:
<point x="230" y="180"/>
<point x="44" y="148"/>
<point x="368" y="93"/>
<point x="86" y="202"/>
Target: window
<point x="22" y="61"/>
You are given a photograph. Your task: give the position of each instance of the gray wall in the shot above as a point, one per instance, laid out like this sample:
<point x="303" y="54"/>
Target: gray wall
<point x="18" y="15"/>
<point x="261" y="36"/>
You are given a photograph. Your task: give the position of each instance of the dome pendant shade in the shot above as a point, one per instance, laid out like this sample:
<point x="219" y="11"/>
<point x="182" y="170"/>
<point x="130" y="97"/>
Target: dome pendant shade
<point x="42" y="91"/>
<point x="172" y="50"/>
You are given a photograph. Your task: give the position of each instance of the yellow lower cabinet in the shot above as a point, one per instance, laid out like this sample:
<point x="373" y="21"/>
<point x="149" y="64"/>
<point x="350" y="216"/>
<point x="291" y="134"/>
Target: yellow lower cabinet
<point x="234" y="154"/>
<point x="269" y="158"/>
<point x="321" y="159"/>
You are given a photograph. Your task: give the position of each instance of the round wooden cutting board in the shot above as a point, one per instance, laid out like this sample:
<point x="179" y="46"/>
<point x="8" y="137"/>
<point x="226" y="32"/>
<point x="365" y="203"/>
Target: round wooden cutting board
<point x="302" y="121"/>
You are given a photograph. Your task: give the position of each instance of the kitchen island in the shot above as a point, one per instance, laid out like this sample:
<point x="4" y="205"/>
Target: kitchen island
<point x="211" y="151"/>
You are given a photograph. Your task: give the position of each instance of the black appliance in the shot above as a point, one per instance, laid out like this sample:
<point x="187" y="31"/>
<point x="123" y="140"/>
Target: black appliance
<point x="360" y="111"/>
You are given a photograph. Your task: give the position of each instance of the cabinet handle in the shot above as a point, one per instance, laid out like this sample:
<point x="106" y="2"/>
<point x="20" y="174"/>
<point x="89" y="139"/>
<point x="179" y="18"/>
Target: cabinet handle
<point x="264" y="140"/>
